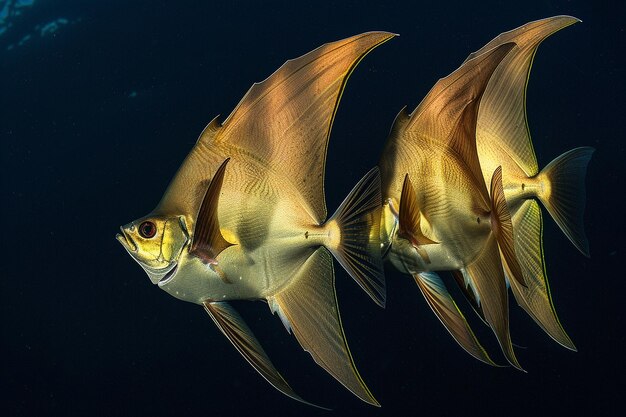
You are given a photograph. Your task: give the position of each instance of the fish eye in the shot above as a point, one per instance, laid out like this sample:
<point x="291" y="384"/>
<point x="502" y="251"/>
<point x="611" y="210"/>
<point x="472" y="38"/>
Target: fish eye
<point x="147" y="229"/>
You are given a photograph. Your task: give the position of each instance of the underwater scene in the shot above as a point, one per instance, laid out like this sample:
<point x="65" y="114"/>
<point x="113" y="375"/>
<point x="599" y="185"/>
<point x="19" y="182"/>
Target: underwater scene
<point x="312" y="208"/>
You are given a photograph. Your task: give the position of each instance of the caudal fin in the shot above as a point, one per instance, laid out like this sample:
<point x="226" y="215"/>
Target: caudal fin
<point x="563" y="193"/>
<point x="358" y="248"/>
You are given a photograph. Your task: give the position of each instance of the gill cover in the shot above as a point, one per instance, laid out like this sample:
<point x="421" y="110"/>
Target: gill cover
<point x="156" y="243"/>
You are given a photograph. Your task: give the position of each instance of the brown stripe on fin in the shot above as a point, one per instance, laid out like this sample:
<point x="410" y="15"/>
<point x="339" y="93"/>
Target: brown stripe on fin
<point x="208" y="241"/>
<point x="235" y="329"/>
<point x="441" y="302"/>
<point x="502" y="228"/>
<point x="310" y="305"/>
<point x="409" y="217"/>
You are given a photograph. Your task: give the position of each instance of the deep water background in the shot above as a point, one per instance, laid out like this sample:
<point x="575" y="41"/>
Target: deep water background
<point x="97" y="113"/>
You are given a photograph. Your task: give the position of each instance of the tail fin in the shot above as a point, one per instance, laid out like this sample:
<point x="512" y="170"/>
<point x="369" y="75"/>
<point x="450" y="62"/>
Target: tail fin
<point x="563" y="193"/>
<point x="358" y="248"/>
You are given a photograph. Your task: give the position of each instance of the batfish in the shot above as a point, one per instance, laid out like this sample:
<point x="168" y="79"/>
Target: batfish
<point x="442" y="215"/>
<point x="503" y="139"/>
<point x="244" y="218"/>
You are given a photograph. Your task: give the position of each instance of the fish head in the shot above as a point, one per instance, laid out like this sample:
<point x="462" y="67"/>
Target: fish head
<point x="156" y="243"/>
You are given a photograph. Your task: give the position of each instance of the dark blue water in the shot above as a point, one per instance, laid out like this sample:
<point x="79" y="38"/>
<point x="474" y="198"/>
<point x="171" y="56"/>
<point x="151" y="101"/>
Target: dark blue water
<point x="100" y="104"/>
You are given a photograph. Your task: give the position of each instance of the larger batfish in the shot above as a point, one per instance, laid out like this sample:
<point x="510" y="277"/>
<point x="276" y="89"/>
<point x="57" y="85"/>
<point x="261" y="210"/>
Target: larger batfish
<point x="245" y="216"/>
<point x="447" y="219"/>
<point x="503" y="139"/>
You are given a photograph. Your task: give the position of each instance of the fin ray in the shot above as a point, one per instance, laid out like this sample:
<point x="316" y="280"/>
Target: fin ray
<point x="565" y="201"/>
<point x="358" y="218"/>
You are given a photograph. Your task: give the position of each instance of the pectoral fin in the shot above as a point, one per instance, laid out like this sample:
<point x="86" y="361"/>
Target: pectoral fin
<point x="502" y="228"/>
<point x="208" y="241"/>
<point x="440" y="301"/>
<point x="240" y="335"/>
<point x="310" y="305"/>
<point x="409" y="216"/>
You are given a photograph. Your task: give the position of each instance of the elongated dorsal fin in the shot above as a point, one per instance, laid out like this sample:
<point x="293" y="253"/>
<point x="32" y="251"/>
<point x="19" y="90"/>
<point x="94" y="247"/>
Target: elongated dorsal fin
<point x="207" y="241"/>
<point x="502" y="123"/>
<point x="283" y="122"/>
<point x="441" y="302"/>
<point x="310" y="305"/>
<point x="437" y="116"/>
<point x="286" y="119"/>
<point x="235" y="329"/>
<point x="409" y="216"/>
<point x="503" y="228"/>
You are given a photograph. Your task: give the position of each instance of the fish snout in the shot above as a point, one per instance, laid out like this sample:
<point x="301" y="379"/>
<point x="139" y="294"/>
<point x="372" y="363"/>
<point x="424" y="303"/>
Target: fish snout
<point x="126" y="240"/>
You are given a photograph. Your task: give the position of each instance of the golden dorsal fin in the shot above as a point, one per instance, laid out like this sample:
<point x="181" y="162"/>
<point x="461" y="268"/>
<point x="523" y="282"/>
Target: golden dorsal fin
<point x="438" y="114"/>
<point x="207" y="241"/>
<point x="283" y="123"/>
<point x="502" y="124"/>
<point x="286" y="119"/>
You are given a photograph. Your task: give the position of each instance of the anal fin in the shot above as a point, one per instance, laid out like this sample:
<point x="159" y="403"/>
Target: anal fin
<point x="535" y="298"/>
<point x="235" y="329"/>
<point x="310" y="305"/>
<point x="441" y="302"/>
<point x="487" y="277"/>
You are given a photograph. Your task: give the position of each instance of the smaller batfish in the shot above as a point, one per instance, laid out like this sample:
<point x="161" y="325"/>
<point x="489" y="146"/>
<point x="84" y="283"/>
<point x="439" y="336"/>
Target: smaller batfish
<point x="503" y="139"/>
<point x="447" y="219"/>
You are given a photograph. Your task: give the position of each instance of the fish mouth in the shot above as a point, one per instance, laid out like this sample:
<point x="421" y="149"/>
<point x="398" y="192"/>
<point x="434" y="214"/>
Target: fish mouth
<point x="168" y="276"/>
<point x="126" y="241"/>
